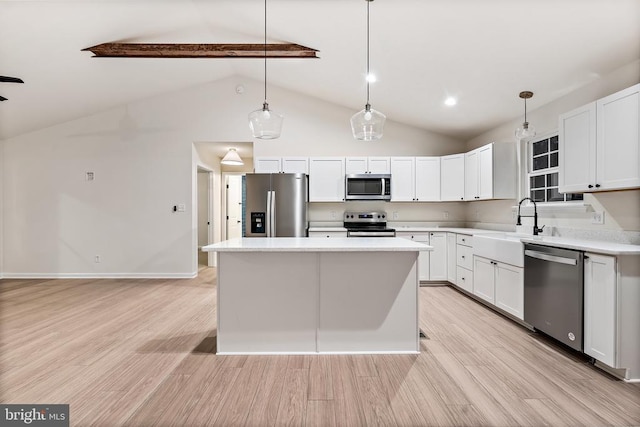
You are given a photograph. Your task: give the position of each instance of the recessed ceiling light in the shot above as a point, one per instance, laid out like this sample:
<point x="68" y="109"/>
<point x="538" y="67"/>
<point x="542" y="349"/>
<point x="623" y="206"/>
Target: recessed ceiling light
<point x="371" y="78"/>
<point x="450" y="101"/>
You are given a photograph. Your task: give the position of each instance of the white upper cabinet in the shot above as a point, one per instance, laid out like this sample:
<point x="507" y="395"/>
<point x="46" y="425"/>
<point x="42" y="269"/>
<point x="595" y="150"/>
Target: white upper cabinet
<point x="326" y="179"/>
<point x="599" y="144"/>
<point x="452" y="177"/>
<point x="379" y="165"/>
<point x="471" y="171"/>
<point x="295" y="165"/>
<point x="403" y="179"/>
<point x="490" y="172"/>
<point x="267" y="165"/>
<point x="427" y="187"/>
<point x="281" y="165"/>
<point x="415" y="179"/>
<point x="577" y="149"/>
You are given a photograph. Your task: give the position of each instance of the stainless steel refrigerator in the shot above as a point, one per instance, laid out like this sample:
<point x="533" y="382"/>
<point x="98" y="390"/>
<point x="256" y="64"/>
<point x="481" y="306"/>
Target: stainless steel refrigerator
<point x="276" y="205"/>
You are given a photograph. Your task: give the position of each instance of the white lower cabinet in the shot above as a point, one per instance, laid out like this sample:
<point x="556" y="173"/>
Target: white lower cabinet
<point x="464" y="279"/>
<point x="424" y="257"/>
<point x="600" y="308"/>
<point x="509" y="291"/>
<point x="484" y="275"/>
<point x="463" y="253"/>
<point x="499" y="284"/>
<point x="451" y="258"/>
<point x="438" y="257"/>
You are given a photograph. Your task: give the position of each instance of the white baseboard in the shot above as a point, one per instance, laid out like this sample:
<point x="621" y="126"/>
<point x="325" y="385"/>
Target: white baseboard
<point x="100" y="275"/>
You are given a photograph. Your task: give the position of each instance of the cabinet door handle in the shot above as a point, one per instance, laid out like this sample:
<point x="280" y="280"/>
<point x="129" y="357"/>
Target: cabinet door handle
<point x="590" y="186"/>
<point x="597" y="185"/>
<point x="462" y="256"/>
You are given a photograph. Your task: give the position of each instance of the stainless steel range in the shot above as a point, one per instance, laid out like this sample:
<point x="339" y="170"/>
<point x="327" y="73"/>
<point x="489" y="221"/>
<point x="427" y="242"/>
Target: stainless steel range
<point x="367" y="224"/>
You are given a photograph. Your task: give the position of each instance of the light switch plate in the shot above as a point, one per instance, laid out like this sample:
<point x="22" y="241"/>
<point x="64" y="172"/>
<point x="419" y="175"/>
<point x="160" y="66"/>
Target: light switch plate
<point x="181" y="207"/>
<point x="597" y="217"/>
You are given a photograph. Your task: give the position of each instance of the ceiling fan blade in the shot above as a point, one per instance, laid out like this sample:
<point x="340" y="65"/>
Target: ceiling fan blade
<point x="2" y="98"/>
<point x="6" y="79"/>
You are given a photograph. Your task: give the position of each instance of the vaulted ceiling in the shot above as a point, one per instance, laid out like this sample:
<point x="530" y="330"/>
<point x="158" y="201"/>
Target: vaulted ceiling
<point x="482" y="52"/>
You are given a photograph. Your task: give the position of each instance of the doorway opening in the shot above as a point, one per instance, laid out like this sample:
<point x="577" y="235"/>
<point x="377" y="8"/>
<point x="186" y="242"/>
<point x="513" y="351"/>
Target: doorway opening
<point x="205" y="217"/>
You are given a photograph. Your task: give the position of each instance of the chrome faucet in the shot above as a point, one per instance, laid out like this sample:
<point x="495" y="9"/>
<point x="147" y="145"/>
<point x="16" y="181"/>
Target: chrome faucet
<point x="536" y="230"/>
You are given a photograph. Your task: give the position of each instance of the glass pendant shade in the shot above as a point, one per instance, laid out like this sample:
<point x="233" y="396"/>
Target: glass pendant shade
<point x="367" y="125"/>
<point x="525" y="132"/>
<point x="232" y="158"/>
<point x="265" y="124"/>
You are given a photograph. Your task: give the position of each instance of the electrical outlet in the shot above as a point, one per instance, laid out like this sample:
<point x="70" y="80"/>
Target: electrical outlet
<point x="395" y="215"/>
<point x="97" y="259"/>
<point x="597" y="218"/>
<point x="477" y="215"/>
<point x="445" y="215"/>
<point x="181" y="207"/>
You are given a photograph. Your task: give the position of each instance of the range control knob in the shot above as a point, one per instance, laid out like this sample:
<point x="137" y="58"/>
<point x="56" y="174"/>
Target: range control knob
<point x="384" y="216"/>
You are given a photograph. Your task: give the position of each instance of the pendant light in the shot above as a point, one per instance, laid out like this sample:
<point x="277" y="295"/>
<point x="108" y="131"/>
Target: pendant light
<point x="264" y="123"/>
<point x="526" y="131"/>
<point x="232" y="158"/>
<point x="367" y="124"/>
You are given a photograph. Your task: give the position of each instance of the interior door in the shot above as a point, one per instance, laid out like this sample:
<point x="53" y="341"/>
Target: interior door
<point x="234" y="206"/>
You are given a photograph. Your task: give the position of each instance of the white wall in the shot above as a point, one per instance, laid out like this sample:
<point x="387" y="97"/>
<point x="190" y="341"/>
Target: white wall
<point x="144" y="165"/>
<point x="622" y="208"/>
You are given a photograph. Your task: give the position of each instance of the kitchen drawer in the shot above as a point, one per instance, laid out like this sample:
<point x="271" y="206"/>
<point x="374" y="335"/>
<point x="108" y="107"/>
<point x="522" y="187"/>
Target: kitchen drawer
<point x="464" y="279"/>
<point x="463" y="239"/>
<point x="464" y="256"/>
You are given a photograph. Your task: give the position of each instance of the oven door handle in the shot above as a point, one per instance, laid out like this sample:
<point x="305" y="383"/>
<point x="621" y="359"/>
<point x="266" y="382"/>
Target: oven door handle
<point x="550" y="258"/>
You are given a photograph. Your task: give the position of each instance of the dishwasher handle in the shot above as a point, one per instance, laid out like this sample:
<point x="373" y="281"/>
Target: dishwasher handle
<point x="550" y="258"/>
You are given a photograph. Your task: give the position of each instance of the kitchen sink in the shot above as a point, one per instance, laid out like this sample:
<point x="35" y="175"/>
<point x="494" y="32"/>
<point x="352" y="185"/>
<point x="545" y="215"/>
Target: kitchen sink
<point x="501" y="247"/>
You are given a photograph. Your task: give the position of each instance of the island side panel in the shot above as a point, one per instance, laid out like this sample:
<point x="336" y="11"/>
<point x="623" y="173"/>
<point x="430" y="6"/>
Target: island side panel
<point x="267" y="302"/>
<point x="368" y="302"/>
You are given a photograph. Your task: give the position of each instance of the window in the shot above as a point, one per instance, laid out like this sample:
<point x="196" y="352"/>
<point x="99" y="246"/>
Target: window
<point x="543" y="172"/>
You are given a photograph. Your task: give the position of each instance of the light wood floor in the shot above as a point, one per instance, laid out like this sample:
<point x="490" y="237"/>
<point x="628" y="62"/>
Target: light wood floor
<point x="140" y="353"/>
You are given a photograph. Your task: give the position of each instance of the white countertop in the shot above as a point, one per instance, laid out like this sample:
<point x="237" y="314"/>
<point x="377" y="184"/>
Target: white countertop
<point x="318" y="244"/>
<point x="597" y="246"/>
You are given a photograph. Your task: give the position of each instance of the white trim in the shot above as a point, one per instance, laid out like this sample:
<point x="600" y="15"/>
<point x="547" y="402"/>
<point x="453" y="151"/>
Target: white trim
<point x="100" y="275"/>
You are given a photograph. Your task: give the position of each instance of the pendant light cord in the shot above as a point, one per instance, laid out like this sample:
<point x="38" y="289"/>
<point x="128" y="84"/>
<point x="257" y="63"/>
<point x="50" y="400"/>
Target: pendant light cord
<point x="368" y="76"/>
<point x="265" y="51"/>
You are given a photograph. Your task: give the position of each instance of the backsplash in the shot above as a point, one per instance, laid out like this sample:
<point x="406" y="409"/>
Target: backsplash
<point x="615" y="236"/>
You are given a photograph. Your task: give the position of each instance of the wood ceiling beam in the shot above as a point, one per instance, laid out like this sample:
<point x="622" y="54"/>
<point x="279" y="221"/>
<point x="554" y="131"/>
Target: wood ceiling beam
<point x="181" y="50"/>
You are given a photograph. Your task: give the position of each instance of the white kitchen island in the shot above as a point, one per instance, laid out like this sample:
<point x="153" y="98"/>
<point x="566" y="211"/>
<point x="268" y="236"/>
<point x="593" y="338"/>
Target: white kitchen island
<point x="317" y="295"/>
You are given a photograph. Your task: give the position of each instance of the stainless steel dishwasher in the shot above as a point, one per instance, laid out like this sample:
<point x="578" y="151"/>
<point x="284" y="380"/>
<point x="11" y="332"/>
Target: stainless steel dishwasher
<point x="553" y="292"/>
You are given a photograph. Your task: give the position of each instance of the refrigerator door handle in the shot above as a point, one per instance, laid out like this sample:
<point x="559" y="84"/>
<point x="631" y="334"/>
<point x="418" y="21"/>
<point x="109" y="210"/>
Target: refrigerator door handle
<point x="268" y="218"/>
<point x="272" y="210"/>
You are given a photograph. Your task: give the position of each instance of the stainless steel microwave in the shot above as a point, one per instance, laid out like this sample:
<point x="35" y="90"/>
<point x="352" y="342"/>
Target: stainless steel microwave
<point x="368" y="186"/>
